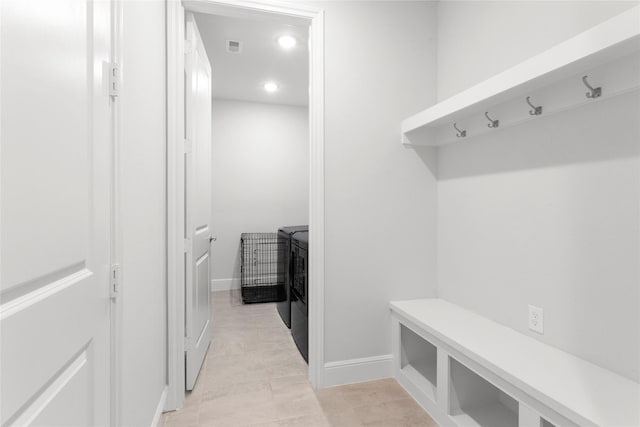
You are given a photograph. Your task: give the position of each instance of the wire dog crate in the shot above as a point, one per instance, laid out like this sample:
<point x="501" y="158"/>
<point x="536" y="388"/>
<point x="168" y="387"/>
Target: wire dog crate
<point x="259" y="278"/>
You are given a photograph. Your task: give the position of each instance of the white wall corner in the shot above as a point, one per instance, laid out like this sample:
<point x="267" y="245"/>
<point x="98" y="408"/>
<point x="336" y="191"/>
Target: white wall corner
<point x="225" y="284"/>
<point x="357" y="370"/>
<point x="159" y="409"/>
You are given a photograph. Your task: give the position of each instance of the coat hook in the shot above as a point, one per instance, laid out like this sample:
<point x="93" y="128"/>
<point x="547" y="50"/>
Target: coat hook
<point x="536" y="110"/>
<point x="595" y="91"/>
<point x="492" y="123"/>
<point x="461" y="133"/>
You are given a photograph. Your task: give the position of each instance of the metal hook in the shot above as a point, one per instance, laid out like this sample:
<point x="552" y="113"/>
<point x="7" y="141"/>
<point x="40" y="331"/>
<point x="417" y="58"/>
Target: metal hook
<point x="595" y="91"/>
<point x="461" y="133"/>
<point x="492" y="123"/>
<point x="536" y="110"/>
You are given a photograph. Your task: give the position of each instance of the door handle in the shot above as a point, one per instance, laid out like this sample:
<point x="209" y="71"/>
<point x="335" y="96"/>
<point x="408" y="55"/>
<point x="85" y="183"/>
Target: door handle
<point x="212" y="239"/>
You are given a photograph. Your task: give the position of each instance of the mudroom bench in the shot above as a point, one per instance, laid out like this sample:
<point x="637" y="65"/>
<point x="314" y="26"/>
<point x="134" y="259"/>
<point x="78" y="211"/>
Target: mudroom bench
<point x="466" y="370"/>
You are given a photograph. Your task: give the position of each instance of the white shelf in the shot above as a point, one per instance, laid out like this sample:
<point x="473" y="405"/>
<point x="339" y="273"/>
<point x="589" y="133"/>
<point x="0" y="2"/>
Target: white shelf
<point x="578" y="390"/>
<point x="603" y="44"/>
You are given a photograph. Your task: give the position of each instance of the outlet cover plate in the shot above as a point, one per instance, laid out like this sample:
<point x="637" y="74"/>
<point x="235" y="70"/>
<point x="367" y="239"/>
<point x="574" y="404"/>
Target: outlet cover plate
<point x="536" y="319"/>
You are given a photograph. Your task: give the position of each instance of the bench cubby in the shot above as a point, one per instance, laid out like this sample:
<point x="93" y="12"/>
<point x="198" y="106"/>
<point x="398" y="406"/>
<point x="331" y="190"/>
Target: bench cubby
<point x="418" y="361"/>
<point x="476" y="402"/>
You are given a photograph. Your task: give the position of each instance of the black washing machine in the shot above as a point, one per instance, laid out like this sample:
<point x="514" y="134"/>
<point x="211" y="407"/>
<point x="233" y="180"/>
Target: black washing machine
<point x="300" y="292"/>
<point x="284" y="268"/>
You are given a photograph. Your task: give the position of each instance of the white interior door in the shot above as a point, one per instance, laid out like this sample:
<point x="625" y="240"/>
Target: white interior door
<point x="54" y="262"/>
<point x="197" y="201"/>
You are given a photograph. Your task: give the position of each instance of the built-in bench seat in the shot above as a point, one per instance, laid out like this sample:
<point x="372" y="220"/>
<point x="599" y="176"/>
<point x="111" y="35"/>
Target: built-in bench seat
<point x="465" y="369"/>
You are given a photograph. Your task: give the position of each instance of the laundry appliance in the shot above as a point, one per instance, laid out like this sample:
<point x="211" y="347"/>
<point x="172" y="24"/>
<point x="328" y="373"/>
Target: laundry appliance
<point x="284" y="268"/>
<point x="300" y="292"/>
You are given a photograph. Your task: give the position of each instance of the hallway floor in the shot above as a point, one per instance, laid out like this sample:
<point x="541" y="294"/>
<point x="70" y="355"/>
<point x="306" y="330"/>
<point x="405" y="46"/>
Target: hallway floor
<point x="254" y="376"/>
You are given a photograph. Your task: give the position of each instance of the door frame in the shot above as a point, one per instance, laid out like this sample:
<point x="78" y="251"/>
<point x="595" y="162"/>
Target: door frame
<point x="116" y="321"/>
<point x="273" y="10"/>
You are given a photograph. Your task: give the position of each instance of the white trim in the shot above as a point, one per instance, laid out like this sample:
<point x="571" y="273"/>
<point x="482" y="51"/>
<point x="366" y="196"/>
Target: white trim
<point x="116" y="309"/>
<point x="160" y="407"/>
<point x="175" y="203"/>
<point x="225" y="284"/>
<point x="276" y="10"/>
<point x="358" y="370"/>
<point x="175" y="49"/>
<point x="316" y="200"/>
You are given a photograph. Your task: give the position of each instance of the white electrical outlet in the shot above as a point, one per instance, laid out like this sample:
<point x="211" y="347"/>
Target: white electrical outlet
<point x="536" y="319"/>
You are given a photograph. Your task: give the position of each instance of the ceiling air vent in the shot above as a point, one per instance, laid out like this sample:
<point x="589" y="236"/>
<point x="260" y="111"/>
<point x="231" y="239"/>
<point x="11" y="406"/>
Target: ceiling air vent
<point x="234" y="46"/>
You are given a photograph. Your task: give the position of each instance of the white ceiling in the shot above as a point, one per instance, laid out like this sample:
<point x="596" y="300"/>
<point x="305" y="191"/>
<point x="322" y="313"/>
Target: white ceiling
<point x="241" y="76"/>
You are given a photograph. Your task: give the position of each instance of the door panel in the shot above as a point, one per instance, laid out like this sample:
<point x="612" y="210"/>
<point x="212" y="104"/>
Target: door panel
<point x="71" y="389"/>
<point x="197" y="203"/>
<point x="55" y="154"/>
<point x="50" y="62"/>
<point x="202" y="295"/>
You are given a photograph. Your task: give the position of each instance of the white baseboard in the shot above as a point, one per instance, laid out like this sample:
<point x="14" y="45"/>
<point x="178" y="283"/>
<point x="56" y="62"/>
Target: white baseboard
<point x="160" y="407"/>
<point x="224" y="284"/>
<point x="357" y="370"/>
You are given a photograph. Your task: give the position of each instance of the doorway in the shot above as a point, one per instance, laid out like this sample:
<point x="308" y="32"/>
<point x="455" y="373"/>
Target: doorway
<point x="295" y="14"/>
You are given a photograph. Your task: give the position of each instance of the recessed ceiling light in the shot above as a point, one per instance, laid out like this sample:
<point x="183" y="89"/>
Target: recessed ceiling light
<point x="270" y="87"/>
<point x="286" y="42"/>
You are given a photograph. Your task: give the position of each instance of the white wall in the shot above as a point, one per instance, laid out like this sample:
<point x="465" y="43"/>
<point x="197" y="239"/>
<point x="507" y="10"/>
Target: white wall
<point x="142" y="212"/>
<point x="379" y="196"/>
<point x="260" y="176"/>
<point x="545" y="213"/>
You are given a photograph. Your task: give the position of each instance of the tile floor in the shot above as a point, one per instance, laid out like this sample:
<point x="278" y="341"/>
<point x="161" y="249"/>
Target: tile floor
<point x="253" y="375"/>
